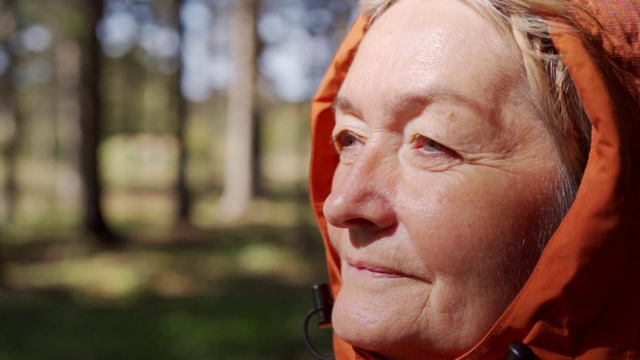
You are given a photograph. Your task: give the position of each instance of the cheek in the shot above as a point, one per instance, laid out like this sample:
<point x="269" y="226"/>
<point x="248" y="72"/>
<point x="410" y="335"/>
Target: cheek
<point x="457" y="222"/>
<point x="435" y="214"/>
<point x="335" y="234"/>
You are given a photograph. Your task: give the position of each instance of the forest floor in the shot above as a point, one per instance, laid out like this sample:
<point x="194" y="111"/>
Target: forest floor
<point x="238" y="292"/>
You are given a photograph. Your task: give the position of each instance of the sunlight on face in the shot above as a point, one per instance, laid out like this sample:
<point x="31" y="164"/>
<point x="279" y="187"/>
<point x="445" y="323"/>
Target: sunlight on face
<point x="445" y="175"/>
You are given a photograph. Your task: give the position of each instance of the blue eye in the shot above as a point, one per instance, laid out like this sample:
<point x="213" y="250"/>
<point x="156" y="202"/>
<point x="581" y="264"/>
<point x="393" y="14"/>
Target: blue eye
<point x="345" y="139"/>
<point x="433" y="147"/>
<point x="428" y="145"/>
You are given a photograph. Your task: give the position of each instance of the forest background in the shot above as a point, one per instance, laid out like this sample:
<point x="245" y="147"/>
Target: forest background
<point x="153" y="200"/>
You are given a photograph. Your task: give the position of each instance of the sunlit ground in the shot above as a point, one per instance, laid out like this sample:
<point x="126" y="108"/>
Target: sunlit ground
<point x="218" y="294"/>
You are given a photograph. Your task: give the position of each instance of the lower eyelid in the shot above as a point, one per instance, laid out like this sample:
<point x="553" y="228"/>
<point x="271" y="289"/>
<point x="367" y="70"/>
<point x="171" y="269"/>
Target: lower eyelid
<point x="441" y="149"/>
<point x="348" y="156"/>
<point x="421" y="140"/>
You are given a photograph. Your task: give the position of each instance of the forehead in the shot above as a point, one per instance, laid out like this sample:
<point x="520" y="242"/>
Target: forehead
<point x="421" y="46"/>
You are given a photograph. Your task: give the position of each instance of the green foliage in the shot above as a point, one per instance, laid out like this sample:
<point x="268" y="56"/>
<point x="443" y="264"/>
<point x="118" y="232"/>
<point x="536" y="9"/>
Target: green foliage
<point x="234" y="293"/>
<point x="247" y="320"/>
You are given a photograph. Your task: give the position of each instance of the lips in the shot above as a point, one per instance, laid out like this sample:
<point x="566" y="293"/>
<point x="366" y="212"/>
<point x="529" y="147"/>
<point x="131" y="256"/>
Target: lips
<point x="376" y="270"/>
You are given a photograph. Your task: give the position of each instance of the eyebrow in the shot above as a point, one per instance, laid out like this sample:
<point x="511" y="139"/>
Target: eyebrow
<point x="343" y="104"/>
<point x="412" y="101"/>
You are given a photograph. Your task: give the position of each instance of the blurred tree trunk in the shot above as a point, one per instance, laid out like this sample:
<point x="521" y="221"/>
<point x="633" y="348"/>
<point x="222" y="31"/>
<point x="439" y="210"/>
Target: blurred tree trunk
<point x="8" y="133"/>
<point x="10" y="114"/>
<point x="239" y="168"/>
<point x="258" y="109"/>
<point x="90" y="119"/>
<point x="182" y="188"/>
<point x="12" y="119"/>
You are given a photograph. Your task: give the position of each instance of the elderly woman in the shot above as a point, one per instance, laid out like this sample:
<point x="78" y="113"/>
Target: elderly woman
<point x="475" y="175"/>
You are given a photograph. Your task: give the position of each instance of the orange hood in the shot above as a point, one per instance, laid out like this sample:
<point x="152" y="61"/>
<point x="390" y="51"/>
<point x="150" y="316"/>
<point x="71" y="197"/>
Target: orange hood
<point x="583" y="297"/>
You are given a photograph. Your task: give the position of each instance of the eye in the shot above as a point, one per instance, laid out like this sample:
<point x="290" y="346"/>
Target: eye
<point x="345" y="140"/>
<point x="432" y="147"/>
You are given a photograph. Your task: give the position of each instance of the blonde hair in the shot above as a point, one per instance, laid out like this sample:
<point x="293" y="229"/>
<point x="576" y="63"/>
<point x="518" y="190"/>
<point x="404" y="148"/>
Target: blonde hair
<point x="555" y="96"/>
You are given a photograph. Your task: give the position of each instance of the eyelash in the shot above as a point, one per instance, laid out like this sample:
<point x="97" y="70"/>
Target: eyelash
<point x="434" y="148"/>
<point x="345" y="139"/>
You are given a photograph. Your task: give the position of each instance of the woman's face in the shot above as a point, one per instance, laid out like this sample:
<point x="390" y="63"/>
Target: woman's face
<point x="445" y="179"/>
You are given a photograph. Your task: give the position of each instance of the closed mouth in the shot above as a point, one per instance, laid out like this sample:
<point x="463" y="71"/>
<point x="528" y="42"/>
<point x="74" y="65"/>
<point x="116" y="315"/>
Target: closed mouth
<point x="376" y="270"/>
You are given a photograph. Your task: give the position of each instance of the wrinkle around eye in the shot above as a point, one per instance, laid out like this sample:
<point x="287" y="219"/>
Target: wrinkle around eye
<point x="347" y="144"/>
<point x="441" y="166"/>
<point x="432" y="155"/>
<point x="436" y="161"/>
<point x="432" y="147"/>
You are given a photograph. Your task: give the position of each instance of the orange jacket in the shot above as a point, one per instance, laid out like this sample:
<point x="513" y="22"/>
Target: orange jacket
<point x="583" y="298"/>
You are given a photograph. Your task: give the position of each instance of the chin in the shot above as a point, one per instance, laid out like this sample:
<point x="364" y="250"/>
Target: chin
<point x="389" y="327"/>
<point x="361" y="321"/>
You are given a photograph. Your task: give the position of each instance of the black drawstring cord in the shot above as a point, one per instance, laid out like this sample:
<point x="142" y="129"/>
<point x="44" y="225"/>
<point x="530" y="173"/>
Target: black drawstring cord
<point x="307" y="341"/>
<point x="323" y="306"/>
<point x="519" y="351"/>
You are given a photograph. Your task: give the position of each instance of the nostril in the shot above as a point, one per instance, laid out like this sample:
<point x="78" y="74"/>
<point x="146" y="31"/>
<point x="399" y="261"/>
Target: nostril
<point x="358" y="223"/>
<point x="363" y="232"/>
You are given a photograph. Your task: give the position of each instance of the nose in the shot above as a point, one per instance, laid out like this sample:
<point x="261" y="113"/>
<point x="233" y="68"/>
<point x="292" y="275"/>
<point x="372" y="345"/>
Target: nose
<point x="361" y="196"/>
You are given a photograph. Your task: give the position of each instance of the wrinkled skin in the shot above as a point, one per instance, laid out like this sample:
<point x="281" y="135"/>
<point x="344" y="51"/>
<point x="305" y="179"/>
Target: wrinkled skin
<point x="446" y="173"/>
